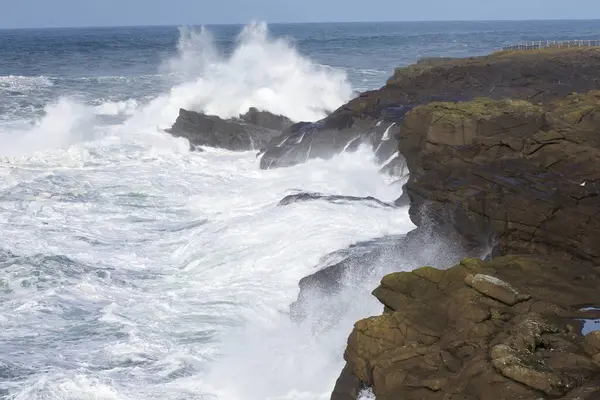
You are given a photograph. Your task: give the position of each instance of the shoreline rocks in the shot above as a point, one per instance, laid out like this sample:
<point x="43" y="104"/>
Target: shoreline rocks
<point x="506" y="165"/>
<point x="479" y="330"/>
<point x="250" y="131"/>
<point x="537" y="77"/>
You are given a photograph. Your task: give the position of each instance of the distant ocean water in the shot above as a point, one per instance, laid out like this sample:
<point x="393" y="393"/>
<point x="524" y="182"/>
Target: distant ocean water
<point x="131" y="268"/>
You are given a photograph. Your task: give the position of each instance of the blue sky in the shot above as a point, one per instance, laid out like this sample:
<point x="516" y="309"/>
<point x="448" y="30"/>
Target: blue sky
<point x="46" y="13"/>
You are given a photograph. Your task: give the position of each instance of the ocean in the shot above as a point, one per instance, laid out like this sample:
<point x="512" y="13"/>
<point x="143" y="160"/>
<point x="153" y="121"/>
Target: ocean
<point x="131" y="268"/>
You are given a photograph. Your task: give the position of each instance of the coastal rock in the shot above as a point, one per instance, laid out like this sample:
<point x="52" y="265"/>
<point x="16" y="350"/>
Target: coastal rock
<point x="324" y="139"/>
<point x="537" y="77"/>
<point x="265" y="119"/>
<point x="526" y="176"/>
<point x="250" y="131"/>
<point x="508" y="162"/>
<point x="336" y="199"/>
<point x="466" y="332"/>
<point x="350" y="270"/>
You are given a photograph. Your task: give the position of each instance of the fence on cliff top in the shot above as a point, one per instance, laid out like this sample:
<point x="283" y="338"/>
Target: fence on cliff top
<point x="550" y="44"/>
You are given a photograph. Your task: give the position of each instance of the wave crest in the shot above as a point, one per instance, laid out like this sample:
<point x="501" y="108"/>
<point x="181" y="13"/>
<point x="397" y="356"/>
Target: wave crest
<point x="261" y="71"/>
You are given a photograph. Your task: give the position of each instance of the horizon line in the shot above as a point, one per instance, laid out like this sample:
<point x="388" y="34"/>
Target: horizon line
<point x="291" y="23"/>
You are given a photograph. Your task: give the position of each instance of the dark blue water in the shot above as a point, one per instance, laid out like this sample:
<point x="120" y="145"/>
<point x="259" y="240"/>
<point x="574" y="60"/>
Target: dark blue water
<point x="114" y="63"/>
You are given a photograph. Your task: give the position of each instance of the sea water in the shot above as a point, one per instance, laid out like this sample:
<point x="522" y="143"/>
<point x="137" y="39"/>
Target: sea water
<point x="131" y="268"/>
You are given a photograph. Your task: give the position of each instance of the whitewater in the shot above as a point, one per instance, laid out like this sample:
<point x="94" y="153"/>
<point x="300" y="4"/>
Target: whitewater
<point x="132" y="268"/>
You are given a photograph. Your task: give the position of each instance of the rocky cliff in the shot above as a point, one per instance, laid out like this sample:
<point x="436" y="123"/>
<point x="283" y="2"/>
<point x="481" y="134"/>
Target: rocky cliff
<point x="516" y="172"/>
<point x="375" y="116"/>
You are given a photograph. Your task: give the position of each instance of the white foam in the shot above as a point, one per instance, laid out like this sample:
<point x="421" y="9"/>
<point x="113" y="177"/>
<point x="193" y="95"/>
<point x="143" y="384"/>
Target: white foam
<point x="263" y="72"/>
<point x="201" y="263"/>
<point x="64" y="123"/>
<point x="231" y="278"/>
<point x="126" y="107"/>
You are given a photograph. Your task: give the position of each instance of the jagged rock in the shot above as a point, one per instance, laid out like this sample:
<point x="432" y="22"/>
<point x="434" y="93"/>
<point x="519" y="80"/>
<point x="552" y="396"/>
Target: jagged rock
<point x="466" y="333"/>
<point x="518" y="176"/>
<point x="324" y="139"/>
<point x="251" y="131"/>
<point x="350" y="268"/>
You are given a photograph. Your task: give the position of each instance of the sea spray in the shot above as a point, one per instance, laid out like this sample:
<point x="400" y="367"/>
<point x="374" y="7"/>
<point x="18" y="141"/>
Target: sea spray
<point x="176" y="269"/>
<point x="263" y="72"/>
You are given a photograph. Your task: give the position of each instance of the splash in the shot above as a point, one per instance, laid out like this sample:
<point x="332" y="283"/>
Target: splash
<point x="263" y="72"/>
<point x="64" y="123"/>
<point x="260" y="71"/>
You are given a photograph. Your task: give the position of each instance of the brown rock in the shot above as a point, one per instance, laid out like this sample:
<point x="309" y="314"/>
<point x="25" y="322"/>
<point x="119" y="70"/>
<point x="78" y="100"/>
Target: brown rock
<point x="467" y="331"/>
<point x="591" y="343"/>
<point x="527" y="176"/>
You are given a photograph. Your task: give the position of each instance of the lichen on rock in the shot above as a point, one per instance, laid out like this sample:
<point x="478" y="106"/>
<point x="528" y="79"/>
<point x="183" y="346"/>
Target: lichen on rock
<point x="468" y="331"/>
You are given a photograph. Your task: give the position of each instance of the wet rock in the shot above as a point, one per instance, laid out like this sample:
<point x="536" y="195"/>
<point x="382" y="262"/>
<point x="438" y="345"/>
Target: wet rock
<point x="350" y="269"/>
<point x="395" y="167"/>
<point x="265" y="119"/>
<point x="336" y="199"/>
<point x="251" y="131"/>
<point x="515" y="171"/>
<point x="322" y="139"/>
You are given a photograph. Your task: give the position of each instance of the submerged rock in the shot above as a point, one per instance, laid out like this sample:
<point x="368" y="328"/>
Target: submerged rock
<point x="337" y="199"/>
<point x="250" y="131"/>
<point x="466" y="332"/>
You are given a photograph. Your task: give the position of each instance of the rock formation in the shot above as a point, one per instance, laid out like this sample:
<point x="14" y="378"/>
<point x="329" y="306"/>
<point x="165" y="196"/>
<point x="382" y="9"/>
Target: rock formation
<point x="251" y="131"/>
<point x="514" y="170"/>
<point x="375" y="116"/>
<point x="526" y="175"/>
<point x="499" y="330"/>
<point x="336" y="199"/>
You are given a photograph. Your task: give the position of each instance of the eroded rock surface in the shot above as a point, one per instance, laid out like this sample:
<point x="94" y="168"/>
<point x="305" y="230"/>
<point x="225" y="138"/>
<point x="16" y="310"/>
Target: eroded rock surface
<point x="508" y="161"/>
<point x="505" y="329"/>
<point x="528" y="175"/>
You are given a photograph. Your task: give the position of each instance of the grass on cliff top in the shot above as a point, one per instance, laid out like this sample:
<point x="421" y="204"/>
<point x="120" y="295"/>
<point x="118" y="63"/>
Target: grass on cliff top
<point x="427" y="64"/>
<point x="478" y="108"/>
<point x="546" y="51"/>
<point x="578" y="108"/>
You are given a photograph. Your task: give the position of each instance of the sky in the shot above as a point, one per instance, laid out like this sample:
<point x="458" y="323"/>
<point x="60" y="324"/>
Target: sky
<point x="63" y="13"/>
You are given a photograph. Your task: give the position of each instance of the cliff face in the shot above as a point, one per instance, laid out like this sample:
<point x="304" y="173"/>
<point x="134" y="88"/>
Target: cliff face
<point x="518" y="170"/>
<point x="527" y="176"/>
